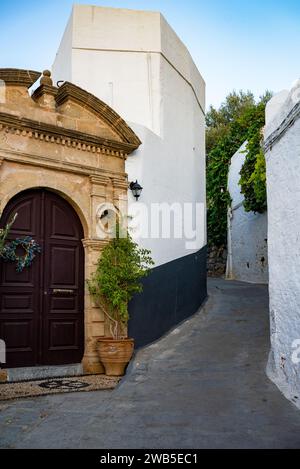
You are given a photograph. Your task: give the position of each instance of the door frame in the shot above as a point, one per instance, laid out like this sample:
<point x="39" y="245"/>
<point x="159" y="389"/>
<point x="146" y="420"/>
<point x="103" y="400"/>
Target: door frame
<point x="85" y="193"/>
<point x="41" y="274"/>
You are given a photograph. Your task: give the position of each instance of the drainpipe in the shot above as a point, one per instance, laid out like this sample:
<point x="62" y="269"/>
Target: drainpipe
<point x="229" y="245"/>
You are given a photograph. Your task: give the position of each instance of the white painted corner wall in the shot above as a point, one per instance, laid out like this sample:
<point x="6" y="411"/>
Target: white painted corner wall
<point x="247" y="259"/>
<point x="135" y="62"/>
<point x="282" y="140"/>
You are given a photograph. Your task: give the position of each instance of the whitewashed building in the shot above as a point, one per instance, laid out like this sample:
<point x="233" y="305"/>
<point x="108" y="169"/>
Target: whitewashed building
<point x="282" y="147"/>
<point x="135" y="62"/>
<point x="247" y="259"/>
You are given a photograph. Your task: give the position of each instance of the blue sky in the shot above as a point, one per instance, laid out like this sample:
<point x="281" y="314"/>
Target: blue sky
<point x="248" y="44"/>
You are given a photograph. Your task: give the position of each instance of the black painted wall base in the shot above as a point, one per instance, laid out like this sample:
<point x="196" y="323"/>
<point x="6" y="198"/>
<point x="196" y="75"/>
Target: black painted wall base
<point x="172" y="293"/>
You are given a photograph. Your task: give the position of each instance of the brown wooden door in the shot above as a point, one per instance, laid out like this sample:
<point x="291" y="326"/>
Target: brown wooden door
<point x="42" y="312"/>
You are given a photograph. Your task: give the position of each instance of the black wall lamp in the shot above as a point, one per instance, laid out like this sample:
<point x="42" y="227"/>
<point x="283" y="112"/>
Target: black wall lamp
<point x="136" y="189"/>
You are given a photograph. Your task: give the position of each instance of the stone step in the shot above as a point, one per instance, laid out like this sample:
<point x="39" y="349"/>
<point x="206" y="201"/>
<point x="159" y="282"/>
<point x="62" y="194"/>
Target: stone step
<point x="40" y="372"/>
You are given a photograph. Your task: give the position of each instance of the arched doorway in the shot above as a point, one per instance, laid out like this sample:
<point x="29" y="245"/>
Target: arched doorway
<point x="42" y="308"/>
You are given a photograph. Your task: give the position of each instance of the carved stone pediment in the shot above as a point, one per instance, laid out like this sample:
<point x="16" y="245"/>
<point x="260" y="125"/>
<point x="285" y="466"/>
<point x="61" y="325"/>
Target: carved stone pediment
<point x="67" y="115"/>
<point x="19" y="77"/>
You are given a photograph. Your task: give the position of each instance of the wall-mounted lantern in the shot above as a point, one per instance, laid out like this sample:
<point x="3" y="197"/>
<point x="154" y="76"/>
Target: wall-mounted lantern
<point x="136" y="189"/>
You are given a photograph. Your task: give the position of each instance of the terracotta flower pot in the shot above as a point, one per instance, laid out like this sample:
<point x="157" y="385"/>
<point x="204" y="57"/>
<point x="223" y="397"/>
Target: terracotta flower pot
<point x="115" y="355"/>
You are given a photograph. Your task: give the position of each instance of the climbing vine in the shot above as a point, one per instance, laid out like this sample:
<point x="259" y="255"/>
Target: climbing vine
<point x="239" y="119"/>
<point x="253" y="172"/>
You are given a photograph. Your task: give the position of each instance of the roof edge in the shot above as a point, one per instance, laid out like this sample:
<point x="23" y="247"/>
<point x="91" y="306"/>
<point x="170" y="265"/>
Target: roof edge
<point x="89" y="101"/>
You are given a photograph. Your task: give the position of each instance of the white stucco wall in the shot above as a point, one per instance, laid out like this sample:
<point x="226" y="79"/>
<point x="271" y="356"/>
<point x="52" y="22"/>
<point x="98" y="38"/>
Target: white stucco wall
<point x="63" y="63"/>
<point x="247" y="232"/>
<point x="282" y="140"/>
<point x="136" y="63"/>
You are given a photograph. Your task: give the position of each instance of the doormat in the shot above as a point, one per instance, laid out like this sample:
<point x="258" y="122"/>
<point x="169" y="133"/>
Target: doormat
<point x="48" y="386"/>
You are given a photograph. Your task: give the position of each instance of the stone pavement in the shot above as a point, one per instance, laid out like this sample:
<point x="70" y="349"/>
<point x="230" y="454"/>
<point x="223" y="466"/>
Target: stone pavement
<point x="202" y="386"/>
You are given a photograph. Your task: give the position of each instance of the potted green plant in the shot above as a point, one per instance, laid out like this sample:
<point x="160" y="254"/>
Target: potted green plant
<point x="121" y="266"/>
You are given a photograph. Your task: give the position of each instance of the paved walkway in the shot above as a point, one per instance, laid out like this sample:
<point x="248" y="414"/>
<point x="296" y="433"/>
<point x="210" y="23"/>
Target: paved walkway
<point x="203" y="386"/>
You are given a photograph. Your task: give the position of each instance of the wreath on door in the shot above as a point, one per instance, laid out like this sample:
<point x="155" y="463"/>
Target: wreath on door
<point x="30" y="247"/>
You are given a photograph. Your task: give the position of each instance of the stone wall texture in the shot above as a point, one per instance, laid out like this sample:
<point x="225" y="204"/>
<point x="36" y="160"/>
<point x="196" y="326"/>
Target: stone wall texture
<point x="216" y="261"/>
<point x="282" y="146"/>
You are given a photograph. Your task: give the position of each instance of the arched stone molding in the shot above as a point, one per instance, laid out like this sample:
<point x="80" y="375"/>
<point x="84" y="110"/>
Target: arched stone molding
<point x="11" y="186"/>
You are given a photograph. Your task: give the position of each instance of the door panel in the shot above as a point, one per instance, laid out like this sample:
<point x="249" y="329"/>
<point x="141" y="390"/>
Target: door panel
<point x="42" y="317"/>
<point x="19" y="319"/>
<point x="61" y="225"/>
<point x="64" y="262"/>
<point x="63" y="283"/>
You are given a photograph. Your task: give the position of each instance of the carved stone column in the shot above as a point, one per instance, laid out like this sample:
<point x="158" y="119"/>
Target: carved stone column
<point x="120" y="196"/>
<point x="100" y="194"/>
<point x="94" y="317"/>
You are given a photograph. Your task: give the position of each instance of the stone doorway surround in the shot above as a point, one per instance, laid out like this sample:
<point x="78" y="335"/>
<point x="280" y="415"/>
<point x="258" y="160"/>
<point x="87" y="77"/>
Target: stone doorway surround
<point x="68" y="141"/>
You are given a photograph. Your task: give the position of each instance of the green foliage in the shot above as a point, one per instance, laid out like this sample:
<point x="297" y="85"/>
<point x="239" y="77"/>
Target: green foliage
<point x="259" y="180"/>
<point x="253" y="172"/>
<point x="4" y="233"/>
<point x="120" y="268"/>
<point x="218" y="121"/>
<point x="238" y="119"/>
